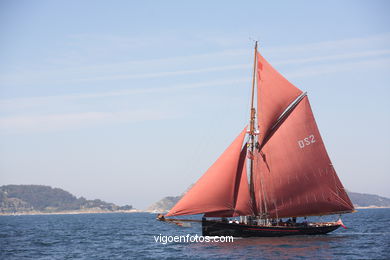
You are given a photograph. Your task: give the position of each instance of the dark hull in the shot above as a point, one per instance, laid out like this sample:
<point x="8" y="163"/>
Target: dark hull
<point x="217" y="228"/>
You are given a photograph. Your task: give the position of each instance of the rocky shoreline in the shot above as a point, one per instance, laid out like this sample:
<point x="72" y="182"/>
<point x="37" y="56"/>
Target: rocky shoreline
<point x="76" y="212"/>
<point x="373" y="207"/>
<point x="71" y="212"/>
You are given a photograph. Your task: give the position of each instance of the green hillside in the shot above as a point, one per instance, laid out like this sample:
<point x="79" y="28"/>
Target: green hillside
<point x="28" y="198"/>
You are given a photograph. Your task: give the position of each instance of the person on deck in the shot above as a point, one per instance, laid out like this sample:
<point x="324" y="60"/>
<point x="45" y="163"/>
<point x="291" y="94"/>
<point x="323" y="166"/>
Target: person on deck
<point x="161" y="217"/>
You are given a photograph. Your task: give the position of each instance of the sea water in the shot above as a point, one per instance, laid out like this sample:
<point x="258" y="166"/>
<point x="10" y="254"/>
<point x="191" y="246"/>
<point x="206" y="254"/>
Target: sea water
<point x="133" y="235"/>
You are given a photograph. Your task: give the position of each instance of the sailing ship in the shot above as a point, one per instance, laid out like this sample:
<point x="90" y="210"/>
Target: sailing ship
<point x="276" y="168"/>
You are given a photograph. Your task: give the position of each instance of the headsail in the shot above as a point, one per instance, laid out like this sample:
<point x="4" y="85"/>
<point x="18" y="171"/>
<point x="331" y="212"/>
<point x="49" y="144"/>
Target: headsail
<point x="223" y="190"/>
<point x="297" y="174"/>
<point x="274" y="95"/>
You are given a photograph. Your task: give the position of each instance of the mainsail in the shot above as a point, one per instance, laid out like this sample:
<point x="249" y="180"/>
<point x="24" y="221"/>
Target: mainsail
<point x="292" y="174"/>
<point x="223" y="190"/>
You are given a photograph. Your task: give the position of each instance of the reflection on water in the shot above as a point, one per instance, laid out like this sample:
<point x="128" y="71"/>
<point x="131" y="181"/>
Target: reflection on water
<point x="367" y="237"/>
<point x="275" y="247"/>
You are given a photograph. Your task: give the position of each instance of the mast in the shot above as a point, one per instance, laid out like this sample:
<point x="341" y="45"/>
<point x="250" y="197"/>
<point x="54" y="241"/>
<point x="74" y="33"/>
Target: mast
<point x="252" y="133"/>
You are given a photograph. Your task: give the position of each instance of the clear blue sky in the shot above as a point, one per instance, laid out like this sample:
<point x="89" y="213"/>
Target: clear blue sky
<point x="130" y="101"/>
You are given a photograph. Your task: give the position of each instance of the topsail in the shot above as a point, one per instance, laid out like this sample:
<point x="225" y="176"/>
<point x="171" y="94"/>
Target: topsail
<point x="274" y="95"/>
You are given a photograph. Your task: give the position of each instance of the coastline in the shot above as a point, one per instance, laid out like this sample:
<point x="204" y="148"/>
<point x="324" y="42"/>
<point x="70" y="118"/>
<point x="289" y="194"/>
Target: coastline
<point x="95" y="211"/>
<point x="71" y="212"/>
<point x="372" y="207"/>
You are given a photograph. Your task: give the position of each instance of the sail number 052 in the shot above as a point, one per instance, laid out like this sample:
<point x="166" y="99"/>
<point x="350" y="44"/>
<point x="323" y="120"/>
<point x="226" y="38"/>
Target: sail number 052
<point x="306" y="141"/>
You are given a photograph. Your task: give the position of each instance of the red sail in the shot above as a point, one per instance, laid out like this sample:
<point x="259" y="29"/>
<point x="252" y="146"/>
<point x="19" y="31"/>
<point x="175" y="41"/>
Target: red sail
<point x="274" y="95"/>
<point x="243" y="200"/>
<point x="223" y="190"/>
<point x="293" y="173"/>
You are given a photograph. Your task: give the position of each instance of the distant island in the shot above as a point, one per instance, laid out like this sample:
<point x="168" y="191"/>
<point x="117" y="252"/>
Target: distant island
<point x="39" y="199"/>
<point x="359" y="200"/>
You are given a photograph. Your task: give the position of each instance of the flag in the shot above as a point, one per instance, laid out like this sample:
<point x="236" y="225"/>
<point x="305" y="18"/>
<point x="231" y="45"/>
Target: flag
<point x="339" y="222"/>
